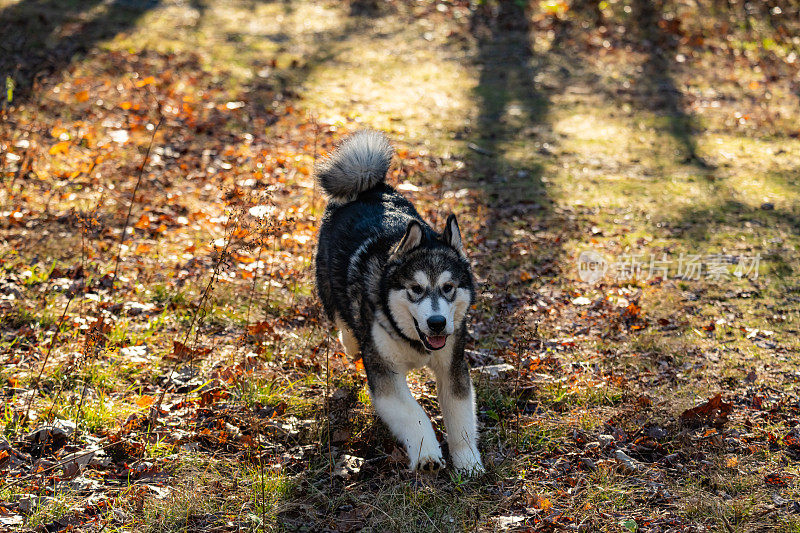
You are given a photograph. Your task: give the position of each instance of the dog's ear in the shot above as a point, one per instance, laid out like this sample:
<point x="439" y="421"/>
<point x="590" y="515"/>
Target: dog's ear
<point x="452" y="235"/>
<point x="411" y="239"/>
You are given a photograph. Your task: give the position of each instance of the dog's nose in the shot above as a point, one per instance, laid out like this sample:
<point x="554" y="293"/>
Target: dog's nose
<point x="436" y="323"/>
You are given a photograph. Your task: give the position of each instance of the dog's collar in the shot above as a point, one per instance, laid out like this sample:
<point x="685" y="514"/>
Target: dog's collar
<point x="394" y="330"/>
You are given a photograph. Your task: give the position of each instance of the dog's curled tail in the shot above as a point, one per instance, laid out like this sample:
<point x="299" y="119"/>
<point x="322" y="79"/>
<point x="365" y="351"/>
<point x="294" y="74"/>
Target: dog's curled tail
<point x="358" y="164"/>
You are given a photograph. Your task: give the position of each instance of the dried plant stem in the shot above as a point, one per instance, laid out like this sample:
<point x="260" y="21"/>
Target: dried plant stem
<point x="91" y="344"/>
<point x="199" y="310"/>
<point x="314" y="165"/>
<point x="88" y="336"/>
<point x="327" y="399"/>
<point x="84" y="230"/>
<point x="263" y="483"/>
<point x="271" y="270"/>
<point x="133" y="196"/>
<point x="37" y="381"/>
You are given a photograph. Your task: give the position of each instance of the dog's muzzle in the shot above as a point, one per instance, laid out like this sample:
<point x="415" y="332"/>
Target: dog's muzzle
<point x="431" y="342"/>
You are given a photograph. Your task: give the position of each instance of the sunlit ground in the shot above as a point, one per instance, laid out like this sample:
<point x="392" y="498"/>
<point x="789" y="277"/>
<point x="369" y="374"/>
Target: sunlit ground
<point x="207" y="387"/>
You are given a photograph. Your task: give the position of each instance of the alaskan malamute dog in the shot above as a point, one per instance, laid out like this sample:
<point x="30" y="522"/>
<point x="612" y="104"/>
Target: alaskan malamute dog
<point x="398" y="292"/>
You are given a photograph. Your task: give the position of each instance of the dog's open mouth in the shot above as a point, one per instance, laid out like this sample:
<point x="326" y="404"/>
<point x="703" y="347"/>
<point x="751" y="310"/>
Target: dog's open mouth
<point x="431" y="342"/>
<point x="435" y="342"/>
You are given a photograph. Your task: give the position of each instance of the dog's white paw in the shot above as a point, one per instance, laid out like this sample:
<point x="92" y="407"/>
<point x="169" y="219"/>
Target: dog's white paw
<point x="428" y="457"/>
<point x="467" y="461"/>
<point x="428" y="464"/>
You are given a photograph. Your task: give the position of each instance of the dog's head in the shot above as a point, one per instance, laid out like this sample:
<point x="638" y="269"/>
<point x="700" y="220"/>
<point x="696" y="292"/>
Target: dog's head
<point x="428" y="285"/>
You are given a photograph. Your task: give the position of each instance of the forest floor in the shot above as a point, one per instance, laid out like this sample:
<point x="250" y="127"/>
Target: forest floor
<point x="164" y="362"/>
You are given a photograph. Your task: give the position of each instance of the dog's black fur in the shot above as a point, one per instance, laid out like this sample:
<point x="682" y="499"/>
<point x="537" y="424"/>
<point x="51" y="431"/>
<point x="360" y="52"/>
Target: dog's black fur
<point x="380" y="215"/>
<point x="372" y="246"/>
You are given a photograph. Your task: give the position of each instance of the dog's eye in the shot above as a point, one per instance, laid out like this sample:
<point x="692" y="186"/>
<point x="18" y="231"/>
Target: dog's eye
<point x="416" y="290"/>
<point x="448" y="288"/>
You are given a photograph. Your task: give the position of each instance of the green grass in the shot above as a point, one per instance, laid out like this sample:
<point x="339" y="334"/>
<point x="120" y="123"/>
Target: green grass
<point x="51" y="509"/>
<point x="268" y="490"/>
<point x="541" y="149"/>
<point x="202" y="498"/>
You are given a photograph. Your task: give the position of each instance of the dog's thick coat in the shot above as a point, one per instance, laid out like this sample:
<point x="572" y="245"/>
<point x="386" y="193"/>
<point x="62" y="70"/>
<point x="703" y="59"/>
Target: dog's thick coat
<point x="399" y="292"/>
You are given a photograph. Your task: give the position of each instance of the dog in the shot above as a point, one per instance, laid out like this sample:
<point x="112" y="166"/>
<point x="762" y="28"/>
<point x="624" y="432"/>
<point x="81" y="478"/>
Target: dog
<point x="399" y="293"/>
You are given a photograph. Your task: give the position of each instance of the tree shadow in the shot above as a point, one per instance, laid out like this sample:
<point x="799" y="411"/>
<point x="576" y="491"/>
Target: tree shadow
<point x="757" y="231"/>
<point x="510" y="141"/>
<point x="658" y="36"/>
<point x="724" y="213"/>
<point x="368" y="8"/>
<point x="288" y="81"/>
<point x="41" y="37"/>
<point x="509" y="107"/>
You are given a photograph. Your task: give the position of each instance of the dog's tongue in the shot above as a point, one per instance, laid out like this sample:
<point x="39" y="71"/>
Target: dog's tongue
<point x="438" y="341"/>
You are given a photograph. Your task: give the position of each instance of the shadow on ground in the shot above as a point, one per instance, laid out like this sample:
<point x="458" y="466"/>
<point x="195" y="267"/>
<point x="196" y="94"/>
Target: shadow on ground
<point x="42" y="38"/>
<point x="661" y="95"/>
<point x="511" y="119"/>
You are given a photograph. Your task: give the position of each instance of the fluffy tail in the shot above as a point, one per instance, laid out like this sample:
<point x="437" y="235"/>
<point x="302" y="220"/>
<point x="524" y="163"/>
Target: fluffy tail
<point x="358" y="164"/>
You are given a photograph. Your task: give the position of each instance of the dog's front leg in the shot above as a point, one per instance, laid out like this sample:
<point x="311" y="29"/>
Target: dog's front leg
<point x="457" y="401"/>
<point x="397" y="407"/>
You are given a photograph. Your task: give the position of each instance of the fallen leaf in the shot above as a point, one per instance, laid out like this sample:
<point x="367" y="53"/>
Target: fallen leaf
<point x="183" y="352"/>
<point x="143" y="222"/>
<point x="59" y="148"/>
<point x="779" y="479"/>
<point x="146" y="81"/>
<point x="145" y="401"/>
<point x="714" y="412"/>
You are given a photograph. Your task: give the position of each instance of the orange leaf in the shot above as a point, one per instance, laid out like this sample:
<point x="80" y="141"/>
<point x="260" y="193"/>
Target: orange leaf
<point x="542" y="503"/>
<point x="145" y="401"/>
<point x="780" y="479"/>
<point x="632" y="311"/>
<point x="143" y="223"/>
<point x="181" y="351"/>
<point x="59" y="148"/>
<point x="714" y="412"/>
<point x="259" y="328"/>
<point x="146" y="81"/>
<point x="359" y="364"/>
<point x="243" y="258"/>
<point x="82" y="96"/>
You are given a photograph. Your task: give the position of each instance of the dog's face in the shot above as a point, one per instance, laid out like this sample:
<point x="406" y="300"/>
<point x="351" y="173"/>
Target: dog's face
<point x="430" y="289"/>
